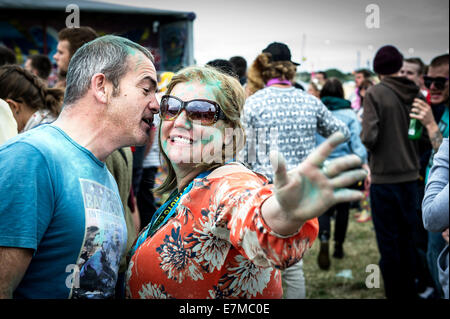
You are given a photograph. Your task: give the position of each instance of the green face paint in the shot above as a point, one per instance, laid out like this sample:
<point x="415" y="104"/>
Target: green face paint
<point x="131" y="51"/>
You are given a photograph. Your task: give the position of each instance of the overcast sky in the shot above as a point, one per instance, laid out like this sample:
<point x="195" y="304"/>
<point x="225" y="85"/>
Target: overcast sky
<point x="327" y="33"/>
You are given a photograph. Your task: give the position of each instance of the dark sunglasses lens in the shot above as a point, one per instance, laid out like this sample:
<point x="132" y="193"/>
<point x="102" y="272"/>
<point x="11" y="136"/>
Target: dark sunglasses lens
<point x="439" y="83"/>
<point x="169" y="107"/>
<point x="202" y="111"/>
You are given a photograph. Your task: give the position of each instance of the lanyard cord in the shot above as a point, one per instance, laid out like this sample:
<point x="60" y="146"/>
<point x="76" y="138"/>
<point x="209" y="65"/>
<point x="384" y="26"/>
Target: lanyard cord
<point x="163" y="214"/>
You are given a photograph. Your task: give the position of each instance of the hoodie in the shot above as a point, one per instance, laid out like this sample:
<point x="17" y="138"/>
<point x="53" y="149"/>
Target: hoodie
<point x="393" y="157"/>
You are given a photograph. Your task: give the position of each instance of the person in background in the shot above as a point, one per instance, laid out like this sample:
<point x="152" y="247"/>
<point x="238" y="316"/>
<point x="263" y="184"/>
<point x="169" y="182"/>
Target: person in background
<point x="282" y="117"/>
<point x="414" y="69"/>
<point x="332" y="95"/>
<point x="40" y="65"/>
<point x="69" y="41"/>
<point x="7" y="56"/>
<point x="313" y="90"/>
<point x="435" y="207"/>
<point x="319" y="79"/>
<point x="435" y="121"/>
<point x="360" y="76"/>
<point x="8" y="124"/>
<point x="240" y="68"/>
<point x="151" y="164"/>
<point x="362" y="89"/>
<point x="394" y="169"/>
<point x="225" y="232"/>
<point x="120" y="165"/>
<point x="223" y="65"/>
<point x="32" y="103"/>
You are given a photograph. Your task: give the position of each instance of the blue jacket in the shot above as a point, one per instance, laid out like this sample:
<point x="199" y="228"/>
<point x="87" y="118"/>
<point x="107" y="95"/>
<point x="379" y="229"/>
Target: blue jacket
<point x="341" y="109"/>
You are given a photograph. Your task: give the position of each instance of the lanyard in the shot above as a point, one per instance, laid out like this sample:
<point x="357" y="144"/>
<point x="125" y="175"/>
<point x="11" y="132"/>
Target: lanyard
<point x="164" y="213"/>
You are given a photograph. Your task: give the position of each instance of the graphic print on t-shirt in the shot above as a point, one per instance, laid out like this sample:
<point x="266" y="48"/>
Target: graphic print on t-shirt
<point x="104" y="241"/>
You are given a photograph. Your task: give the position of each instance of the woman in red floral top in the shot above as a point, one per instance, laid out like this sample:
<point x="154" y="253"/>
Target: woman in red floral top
<point x="225" y="232"/>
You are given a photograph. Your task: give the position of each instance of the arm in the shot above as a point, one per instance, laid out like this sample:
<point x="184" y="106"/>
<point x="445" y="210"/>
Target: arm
<point x="13" y="264"/>
<point x="306" y="192"/>
<point x="26" y="209"/>
<point x="435" y="209"/>
<point x="422" y="111"/>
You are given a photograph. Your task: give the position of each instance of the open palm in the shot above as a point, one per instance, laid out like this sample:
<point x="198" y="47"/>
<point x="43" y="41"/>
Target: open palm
<point x="308" y="190"/>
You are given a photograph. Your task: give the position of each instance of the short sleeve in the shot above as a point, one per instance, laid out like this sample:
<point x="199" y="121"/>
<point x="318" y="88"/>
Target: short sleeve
<point x="240" y="199"/>
<point x="26" y="196"/>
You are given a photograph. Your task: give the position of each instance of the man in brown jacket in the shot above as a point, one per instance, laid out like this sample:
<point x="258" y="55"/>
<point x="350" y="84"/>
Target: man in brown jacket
<point x="394" y="166"/>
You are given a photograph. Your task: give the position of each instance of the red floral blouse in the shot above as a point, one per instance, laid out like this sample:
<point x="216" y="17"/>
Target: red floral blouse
<point x="217" y="245"/>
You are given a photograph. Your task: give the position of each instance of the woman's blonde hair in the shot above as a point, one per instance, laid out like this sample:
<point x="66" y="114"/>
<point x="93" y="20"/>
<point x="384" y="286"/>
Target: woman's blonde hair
<point x="229" y="94"/>
<point x="263" y="69"/>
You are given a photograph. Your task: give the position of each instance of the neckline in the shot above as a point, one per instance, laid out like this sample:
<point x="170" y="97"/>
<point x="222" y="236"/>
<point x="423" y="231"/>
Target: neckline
<point x="278" y="81"/>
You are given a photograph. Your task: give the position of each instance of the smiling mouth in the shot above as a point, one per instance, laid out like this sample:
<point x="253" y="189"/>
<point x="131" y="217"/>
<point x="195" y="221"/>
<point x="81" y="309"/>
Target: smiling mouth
<point x="181" y="140"/>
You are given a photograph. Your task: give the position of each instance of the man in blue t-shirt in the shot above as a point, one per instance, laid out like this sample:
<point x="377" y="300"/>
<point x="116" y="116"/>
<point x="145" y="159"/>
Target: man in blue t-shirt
<point x="62" y="226"/>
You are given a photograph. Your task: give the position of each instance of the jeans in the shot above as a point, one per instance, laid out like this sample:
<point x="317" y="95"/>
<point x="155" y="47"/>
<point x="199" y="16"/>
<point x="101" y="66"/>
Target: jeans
<point x="294" y="281"/>
<point x="395" y="221"/>
<point x="435" y="246"/>
<point x="340" y="226"/>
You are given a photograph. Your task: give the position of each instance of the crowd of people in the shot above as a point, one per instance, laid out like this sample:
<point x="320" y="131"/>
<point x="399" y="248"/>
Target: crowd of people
<point x="123" y="181"/>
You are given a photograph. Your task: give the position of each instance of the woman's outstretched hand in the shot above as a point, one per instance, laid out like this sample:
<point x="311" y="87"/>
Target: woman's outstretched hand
<point x="308" y="190"/>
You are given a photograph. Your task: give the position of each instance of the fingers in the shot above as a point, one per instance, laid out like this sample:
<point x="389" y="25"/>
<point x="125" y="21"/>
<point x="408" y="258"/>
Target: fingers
<point x="320" y="154"/>
<point x="348" y="178"/>
<point x="340" y="164"/>
<point x="347" y="195"/>
<point x="278" y="162"/>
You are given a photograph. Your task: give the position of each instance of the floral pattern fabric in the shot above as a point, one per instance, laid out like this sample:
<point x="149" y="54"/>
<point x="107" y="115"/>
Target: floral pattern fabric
<point x="217" y="245"/>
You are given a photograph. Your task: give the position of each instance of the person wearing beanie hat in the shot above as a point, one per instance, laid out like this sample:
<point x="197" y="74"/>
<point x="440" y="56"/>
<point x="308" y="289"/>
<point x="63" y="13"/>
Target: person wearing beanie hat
<point x="394" y="167"/>
<point x="388" y="60"/>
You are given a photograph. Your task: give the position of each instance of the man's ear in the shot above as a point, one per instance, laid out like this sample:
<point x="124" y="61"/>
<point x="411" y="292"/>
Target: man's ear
<point x="99" y="87"/>
<point x="14" y="106"/>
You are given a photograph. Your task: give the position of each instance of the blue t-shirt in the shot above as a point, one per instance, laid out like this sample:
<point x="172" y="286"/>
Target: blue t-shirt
<point x="58" y="199"/>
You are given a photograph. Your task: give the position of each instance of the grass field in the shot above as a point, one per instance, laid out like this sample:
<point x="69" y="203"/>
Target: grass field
<point x="360" y="249"/>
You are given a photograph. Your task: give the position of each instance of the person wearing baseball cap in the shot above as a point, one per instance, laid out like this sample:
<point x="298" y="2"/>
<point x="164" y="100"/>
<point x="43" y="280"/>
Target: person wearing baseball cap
<point x="288" y="119"/>
<point x="279" y="52"/>
<point x="394" y="167"/>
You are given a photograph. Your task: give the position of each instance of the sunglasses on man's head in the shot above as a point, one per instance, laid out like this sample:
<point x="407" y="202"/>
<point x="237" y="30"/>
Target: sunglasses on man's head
<point x="439" y="82"/>
<point x="205" y="111"/>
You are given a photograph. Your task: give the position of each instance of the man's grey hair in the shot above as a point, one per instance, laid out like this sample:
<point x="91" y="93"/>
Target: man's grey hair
<point x="107" y="55"/>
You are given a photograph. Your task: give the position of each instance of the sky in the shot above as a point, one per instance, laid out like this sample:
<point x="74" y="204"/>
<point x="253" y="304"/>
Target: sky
<point x="321" y="34"/>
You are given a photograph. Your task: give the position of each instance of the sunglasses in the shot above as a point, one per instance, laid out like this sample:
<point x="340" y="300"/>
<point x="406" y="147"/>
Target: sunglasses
<point x="439" y="82"/>
<point x="205" y="111"/>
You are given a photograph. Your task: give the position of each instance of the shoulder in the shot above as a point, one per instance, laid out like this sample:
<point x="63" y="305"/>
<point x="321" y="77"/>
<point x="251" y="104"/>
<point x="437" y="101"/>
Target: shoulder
<point x="232" y="168"/>
<point x="236" y="175"/>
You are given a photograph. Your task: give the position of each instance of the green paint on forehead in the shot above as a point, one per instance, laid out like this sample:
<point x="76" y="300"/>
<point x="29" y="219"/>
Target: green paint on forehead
<point x="130" y="50"/>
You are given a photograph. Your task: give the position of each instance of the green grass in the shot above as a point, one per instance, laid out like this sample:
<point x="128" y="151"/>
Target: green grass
<point x="360" y="249"/>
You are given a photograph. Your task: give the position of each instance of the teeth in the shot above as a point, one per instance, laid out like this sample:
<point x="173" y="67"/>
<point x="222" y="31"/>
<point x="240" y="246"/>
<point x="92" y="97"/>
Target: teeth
<point x="182" y="140"/>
